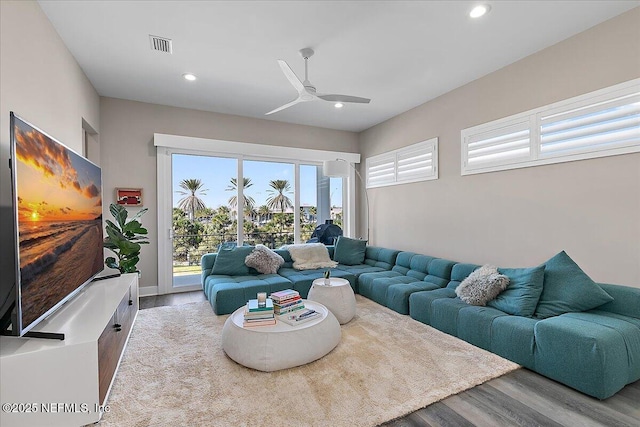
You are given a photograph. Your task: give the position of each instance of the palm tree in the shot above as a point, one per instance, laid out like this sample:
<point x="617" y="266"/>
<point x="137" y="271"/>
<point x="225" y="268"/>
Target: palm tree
<point x="233" y="200"/>
<point x="278" y="200"/>
<point x="191" y="202"/>
<point x="249" y="212"/>
<point x="264" y="212"/>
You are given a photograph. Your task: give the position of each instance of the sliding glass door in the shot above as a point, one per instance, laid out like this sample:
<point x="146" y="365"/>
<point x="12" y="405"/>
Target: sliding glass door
<point x="235" y="200"/>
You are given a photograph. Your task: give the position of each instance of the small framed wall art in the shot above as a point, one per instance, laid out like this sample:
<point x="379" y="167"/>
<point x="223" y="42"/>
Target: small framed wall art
<point x="129" y="196"/>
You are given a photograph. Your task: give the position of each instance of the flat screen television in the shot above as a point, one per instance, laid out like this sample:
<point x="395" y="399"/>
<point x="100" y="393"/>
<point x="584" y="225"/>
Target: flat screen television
<point x="57" y="211"/>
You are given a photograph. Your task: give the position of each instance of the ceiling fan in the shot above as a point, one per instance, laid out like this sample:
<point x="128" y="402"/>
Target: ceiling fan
<point x="307" y="91"/>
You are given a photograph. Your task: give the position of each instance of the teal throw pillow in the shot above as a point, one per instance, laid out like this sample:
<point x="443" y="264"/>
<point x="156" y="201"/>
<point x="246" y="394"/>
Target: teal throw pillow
<point x="230" y="262"/>
<point x="349" y="251"/>
<point x="522" y="295"/>
<point x="568" y="289"/>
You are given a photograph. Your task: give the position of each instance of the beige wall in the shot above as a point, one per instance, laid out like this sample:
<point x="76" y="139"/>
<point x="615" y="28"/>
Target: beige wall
<point x="128" y="157"/>
<point x="41" y="82"/>
<point x="590" y="208"/>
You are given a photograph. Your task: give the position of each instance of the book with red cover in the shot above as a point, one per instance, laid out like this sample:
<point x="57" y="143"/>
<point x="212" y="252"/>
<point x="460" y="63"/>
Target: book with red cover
<point x="288" y="302"/>
<point x="284" y="295"/>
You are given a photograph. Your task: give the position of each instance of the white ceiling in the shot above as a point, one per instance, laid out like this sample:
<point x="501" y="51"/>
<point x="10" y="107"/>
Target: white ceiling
<point x="398" y="53"/>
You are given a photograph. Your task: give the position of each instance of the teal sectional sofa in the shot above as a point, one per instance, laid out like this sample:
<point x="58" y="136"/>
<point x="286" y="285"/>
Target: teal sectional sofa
<point x="595" y="350"/>
<point x="228" y="292"/>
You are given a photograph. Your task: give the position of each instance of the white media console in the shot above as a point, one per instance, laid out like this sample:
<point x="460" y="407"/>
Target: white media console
<point x="45" y="382"/>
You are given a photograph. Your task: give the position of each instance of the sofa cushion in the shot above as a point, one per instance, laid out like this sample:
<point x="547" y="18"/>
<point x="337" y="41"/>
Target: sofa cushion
<point x="377" y="289"/>
<point x="439" y="272"/>
<point x="349" y="251"/>
<point x="398" y="294"/>
<point x="228" y="293"/>
<point x="522" y="294"/>
<point x="475" y="325"/>
<point x="264" y="260"/>
<point x="286" y="256"/>
<point x="482" y="286"/>
<point x="359" y="269"/>
<point x="420" y="303"/>
<point x="230" y="262"/>
<point x="459" y="272"/>
<point x="380" y="257"/>
<point x="512" y="337"/>
<point x="444" y="314"/>
<point x="567" y="288"/>
<point x="595" y="355"/>
<point x="626" y="300"/>
<point x="403" y="262"/>
<point x="366" y="279"/>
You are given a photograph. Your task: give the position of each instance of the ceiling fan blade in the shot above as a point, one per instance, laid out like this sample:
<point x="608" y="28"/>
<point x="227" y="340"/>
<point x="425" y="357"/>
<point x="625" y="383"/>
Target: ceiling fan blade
<point x="291" y="76"/>
<point x="344" y="98"/>
<point x="290" y="104"/>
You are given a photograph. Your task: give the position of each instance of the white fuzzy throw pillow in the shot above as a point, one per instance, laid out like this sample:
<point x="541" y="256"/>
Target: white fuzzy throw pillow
<point x="482" y="285"/>
<point x="310" y="256"/>
<point x="264" y="260"/>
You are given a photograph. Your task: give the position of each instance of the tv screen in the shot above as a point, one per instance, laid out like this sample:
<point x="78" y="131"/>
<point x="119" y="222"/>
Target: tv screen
<point x="58" y="222"/>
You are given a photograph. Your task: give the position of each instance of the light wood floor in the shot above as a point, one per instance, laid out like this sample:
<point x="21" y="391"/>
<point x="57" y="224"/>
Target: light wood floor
<point x="520" y="398"/>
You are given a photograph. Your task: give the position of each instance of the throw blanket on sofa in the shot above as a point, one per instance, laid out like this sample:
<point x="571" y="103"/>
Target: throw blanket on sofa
<point x="310" y="256"/>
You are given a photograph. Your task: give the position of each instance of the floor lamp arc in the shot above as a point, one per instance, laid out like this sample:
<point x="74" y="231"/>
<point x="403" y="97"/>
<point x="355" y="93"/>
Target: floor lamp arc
<point x="339" y="168"/>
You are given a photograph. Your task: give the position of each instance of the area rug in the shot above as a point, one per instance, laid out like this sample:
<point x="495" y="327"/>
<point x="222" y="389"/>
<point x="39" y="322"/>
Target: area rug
<point x="175" y="373"/>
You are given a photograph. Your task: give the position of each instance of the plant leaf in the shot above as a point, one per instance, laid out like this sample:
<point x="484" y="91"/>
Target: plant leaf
<point x="139" y="214"/>
<point x="119" y="213"/>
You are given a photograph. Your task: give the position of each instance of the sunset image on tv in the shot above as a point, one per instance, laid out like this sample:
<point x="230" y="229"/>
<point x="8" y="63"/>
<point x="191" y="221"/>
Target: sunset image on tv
<point x="59" y="214"/>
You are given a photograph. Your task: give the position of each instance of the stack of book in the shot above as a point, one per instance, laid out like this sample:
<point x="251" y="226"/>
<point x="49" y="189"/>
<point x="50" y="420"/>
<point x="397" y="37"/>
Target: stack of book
<point x="286" y="302"/>
<point x="289" y="308"/>
<point x="254" y="315"/>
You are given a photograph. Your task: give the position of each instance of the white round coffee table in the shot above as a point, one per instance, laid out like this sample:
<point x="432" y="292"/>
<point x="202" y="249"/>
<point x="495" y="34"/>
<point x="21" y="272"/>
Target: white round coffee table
<point x="338" y="297"/>
<point x="281" y="346"/>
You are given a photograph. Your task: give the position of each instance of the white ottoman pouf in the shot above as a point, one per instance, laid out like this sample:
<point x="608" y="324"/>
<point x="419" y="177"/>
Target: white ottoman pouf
<point x="338" y="297"/>
<point x="281" y="346"/>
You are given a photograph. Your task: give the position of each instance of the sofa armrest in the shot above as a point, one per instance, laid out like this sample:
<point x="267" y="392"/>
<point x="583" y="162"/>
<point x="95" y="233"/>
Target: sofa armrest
<point x="626" y="300"/>
<point x="206" y="263"/>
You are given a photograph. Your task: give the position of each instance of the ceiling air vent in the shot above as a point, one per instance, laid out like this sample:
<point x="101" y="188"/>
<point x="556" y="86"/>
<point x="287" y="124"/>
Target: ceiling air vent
<point x="160" y="44"/>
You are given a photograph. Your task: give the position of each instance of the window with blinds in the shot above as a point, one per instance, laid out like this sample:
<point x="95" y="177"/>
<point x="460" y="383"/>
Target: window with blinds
<point x="601" y="123"/>
<point x="417" y="162"/>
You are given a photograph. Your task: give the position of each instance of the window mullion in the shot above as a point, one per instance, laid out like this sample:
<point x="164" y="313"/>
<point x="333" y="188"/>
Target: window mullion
<point x="296" y="202"/>
<point x="240" y="201"/>
<point x="534" y="128"/>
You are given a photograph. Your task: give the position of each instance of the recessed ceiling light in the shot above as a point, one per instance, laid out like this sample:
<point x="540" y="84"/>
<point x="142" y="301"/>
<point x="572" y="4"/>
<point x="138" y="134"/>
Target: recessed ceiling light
<point x="479" y="10"/>
<point x="339" y="105"/>
<point x="189" y="76"/>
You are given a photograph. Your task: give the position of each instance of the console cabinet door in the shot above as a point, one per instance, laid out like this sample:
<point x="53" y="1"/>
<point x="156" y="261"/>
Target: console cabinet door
<point x="112" y="341"/>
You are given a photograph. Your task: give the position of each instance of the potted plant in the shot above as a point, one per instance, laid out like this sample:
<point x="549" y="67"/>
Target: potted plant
<point x="124" y="237"/>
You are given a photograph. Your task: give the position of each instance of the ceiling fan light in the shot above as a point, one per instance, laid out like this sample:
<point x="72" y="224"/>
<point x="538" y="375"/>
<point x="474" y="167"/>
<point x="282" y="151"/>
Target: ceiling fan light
<point x="188" y="76"/>
<point x="480" y="10"/>
<point x="338" y="105"/>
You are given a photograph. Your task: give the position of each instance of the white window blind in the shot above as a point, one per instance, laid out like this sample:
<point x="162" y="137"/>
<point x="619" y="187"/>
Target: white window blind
<point x="505" y="143"/>
<point x="601" y="123"/>
<point x="381" y="170"/>
<point x="417" y="162"/>
<point x="604" y="126"/>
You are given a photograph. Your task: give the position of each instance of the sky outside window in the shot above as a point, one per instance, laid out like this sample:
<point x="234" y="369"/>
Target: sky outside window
<point x="216" y="173"/>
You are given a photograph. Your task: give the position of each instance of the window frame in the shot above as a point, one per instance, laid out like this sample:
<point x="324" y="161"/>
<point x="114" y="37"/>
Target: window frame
<point x="535" y="117"/>
<point x="391" y="161"/>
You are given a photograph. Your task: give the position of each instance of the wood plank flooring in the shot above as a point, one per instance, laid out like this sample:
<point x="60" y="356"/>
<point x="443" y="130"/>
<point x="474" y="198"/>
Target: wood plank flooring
<point x="520" y="398"/>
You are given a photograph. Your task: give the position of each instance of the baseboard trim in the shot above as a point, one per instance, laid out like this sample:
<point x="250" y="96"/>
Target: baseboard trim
<point x="147" y="291"/>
